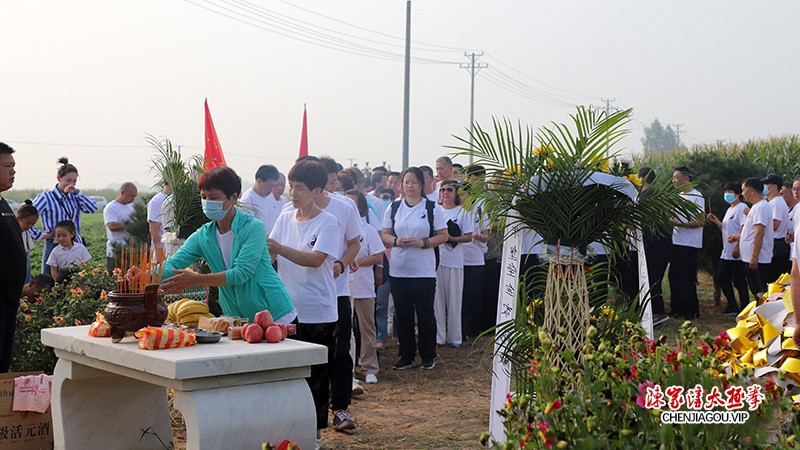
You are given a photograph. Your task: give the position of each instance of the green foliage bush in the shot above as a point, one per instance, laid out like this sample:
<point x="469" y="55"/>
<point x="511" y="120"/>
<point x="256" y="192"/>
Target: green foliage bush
<point x="714" y="165"/>
<point x="71" y="303"/>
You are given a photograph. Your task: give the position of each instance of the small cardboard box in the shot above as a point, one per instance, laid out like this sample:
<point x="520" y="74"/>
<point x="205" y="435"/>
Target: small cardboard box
<point x="22" y="430"/>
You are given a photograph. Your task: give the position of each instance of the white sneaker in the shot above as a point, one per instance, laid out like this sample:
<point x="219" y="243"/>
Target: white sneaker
<point x="357" y="389"/>
<point x="317" y="443"/>
<point x="371" y="379"/>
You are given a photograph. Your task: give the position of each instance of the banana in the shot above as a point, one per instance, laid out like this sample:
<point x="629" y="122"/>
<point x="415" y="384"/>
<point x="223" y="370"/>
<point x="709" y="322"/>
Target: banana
<point x="191" y="319"/>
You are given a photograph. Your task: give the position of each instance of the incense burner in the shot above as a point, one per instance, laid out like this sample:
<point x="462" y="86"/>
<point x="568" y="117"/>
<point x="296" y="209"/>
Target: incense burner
<point x="128" y="312"/>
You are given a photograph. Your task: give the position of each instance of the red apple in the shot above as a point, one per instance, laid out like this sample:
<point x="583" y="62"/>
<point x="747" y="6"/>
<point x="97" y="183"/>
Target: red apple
<point x="283" y="329"/>
<point x="274" y="334"/>
<point x="263" y="318"/>
<point x="252" y="333"/>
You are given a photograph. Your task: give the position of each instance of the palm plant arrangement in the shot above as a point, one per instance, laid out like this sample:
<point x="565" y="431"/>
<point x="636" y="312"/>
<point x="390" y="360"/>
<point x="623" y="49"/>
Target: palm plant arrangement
<point x="556" y="183"/>
<point x="184" y="207"/>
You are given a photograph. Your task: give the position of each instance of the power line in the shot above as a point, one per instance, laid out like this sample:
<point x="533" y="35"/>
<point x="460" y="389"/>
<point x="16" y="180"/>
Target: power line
<point x="264" y="19"/>
<point x="473" y="69"/>
<point x="54" y="144"/>
<point x="576" y="95"/>
<point x="493" y="79"/>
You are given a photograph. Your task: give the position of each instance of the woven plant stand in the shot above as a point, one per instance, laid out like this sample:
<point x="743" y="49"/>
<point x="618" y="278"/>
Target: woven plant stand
<point x="566" y="306"/>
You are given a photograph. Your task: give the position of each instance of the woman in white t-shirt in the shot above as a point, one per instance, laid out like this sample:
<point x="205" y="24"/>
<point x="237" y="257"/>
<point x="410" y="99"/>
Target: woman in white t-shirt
<point x="362" y="289"/>
<point x="731" y="269"/>
<point x="450" y="273"/>
<point x="414" y="226"/>
<point x="306" y="241"/>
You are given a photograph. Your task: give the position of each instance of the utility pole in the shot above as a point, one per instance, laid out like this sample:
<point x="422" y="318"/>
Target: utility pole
<point x="678" y="133"/>
<point x="473" y="69"/>
<point x="407" y="85"/>
<point x="608" y="102"/>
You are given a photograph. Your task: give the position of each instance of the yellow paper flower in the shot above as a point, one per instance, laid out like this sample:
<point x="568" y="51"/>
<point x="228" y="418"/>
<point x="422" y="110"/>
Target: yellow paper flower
<point x="635" y="179"/>
<point x="604" y="166"/>
<point x="542" y="150"/>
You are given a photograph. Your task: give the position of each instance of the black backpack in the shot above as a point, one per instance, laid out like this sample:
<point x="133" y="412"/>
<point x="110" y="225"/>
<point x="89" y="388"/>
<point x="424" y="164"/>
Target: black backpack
<point x="429" y="206"/>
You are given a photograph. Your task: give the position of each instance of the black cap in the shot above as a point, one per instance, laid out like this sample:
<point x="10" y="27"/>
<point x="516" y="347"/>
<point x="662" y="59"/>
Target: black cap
<point x="773" y="179"/>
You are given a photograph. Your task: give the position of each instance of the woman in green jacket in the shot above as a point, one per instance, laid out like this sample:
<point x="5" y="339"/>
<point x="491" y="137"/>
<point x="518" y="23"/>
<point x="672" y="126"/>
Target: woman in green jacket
<point x="234" y="244"/>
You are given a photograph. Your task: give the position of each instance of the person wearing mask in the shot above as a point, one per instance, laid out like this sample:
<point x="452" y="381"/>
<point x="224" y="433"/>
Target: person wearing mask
<point x="780" y="226"/>
<point x="687" y="239"/>
<point x="233" y="246"/>
<point x="414" y="226"/>
<point x="731" y="271"/>
<point x="155" y="217"/>
<point x="260" y="199"/>
<point x="115" y="217"/>
<point x="755" y="242"/>
<point x="64" y="202"/>
<point x="448" y="300"/>
<point x="12" y="264"/>
<point x="27" y="216"/>
<point x="362" y="288"/>
<point x="307" y="242"/>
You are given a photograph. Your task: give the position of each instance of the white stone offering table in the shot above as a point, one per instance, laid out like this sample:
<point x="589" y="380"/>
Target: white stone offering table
<point x="233" y="395"/>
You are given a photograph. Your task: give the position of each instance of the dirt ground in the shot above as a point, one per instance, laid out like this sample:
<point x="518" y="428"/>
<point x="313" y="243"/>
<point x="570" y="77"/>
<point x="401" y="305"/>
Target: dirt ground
<point x="448" y="407"/>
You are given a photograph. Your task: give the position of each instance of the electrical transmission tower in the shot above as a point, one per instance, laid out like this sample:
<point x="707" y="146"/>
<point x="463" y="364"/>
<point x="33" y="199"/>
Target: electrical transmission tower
<point x="473" y="68"/>
<point x="678" y="133"/>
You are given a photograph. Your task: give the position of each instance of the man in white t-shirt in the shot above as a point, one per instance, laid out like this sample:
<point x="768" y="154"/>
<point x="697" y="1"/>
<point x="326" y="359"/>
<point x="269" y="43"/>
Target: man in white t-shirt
<point x="279" y="189"/>
<point x="115" y="216"/>
<point x="794" y="218"/>
<point x="755" y="242"/>
<point x="341" y="368"/>
<point x="687" y="240"/>
<point x="795" y="281"/>
<point x="780" y="226"/>
<point x="260" y="200"/>
<point x="431" y="188"/>
<point x="155" y="217"/>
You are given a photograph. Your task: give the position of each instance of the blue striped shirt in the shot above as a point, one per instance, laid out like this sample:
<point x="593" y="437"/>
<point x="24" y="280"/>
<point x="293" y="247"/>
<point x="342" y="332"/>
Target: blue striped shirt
<point x="49" y="204"/>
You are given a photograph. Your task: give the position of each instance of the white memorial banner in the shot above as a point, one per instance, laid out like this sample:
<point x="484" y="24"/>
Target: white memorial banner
<point x="644" y="287"/>
<point x="506" y="310"/>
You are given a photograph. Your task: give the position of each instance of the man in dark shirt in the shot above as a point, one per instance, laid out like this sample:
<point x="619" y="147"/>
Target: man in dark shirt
<point x="12" y="264"/>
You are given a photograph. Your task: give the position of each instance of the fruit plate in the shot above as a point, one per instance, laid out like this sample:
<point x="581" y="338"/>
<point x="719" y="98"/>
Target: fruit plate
<point x="207" y="337"/>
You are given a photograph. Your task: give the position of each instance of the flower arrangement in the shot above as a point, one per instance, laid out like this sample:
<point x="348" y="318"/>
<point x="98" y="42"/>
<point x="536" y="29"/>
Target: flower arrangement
<point x="627" y="382"/>
<point x="70" y="303"/>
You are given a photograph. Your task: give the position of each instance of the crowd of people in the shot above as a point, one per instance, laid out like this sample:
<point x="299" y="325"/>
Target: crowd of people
<point x="348" y="253"/>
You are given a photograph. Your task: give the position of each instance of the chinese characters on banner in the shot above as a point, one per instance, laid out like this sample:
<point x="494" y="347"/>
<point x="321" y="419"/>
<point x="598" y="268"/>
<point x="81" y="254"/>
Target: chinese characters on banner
<point x="506" y="309"/>
<point x="644" y="287"/>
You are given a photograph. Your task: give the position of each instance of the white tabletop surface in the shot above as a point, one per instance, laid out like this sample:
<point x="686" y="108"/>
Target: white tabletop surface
<point x="225" y="357"/>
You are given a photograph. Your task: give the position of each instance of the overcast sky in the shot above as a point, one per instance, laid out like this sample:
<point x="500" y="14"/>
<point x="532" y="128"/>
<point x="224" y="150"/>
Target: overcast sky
<point x="89" y="78"/>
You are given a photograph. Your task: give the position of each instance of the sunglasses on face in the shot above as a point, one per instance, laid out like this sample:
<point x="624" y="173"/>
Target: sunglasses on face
<point x="447" y="189"/>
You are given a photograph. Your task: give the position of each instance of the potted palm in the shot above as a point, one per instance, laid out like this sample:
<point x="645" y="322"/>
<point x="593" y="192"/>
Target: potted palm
<point x="183" y="208"/>
<point x="556" y="182"/>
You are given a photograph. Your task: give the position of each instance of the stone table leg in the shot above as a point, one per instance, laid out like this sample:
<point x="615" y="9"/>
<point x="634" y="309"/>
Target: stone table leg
<point x="96" y="409"/>
<point x="246" y="416"/>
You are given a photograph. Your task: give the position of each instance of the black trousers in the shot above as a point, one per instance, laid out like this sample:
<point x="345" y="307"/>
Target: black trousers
<point x="657" y="252"/>
<point x="341" y="366"/>
<point x="8" y="326"/>
<point x="757" y="279"/>
<point x="471" y="300"/>
<point x="730" y="274"/>
<point x="491" y="288"/>
<point x="780" y="260"/>
<point x="683" y="282"/>
<point x="415" y="296"/>
<point x="319" y="381"/>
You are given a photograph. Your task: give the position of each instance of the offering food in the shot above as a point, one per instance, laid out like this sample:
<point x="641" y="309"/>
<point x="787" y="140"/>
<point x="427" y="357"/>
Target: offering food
<point x="263" y="318"/>
<point x="155" y="338"/>
<point x="100" y="327"/>
<point x="187" y="312"/>
<point x="274" y="334"/>
<point x="218" y="324"/>
<point x="235" y="333"/>
<point x="252" y="333"/>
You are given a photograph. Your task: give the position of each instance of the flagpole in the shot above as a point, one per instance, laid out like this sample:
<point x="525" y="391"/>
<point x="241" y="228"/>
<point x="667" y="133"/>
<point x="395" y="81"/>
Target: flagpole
<point x="407" y="89"/>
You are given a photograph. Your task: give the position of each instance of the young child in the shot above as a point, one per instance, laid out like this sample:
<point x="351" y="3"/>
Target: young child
<point x="27" y="215"/>
<point x="68" y="253"/>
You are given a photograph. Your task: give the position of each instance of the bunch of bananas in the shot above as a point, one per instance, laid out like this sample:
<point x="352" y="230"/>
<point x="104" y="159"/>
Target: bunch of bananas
<point x="187" y="312"/>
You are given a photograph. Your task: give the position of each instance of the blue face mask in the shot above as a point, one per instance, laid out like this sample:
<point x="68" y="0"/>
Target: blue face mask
<point x="213" y="209"/>
<point x="765" y="191"/>
<point x="386" y="201"/>
<point x="729" y="197"/>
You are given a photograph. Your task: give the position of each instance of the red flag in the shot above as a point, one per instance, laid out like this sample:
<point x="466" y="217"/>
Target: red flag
<point x="304" y="136"/>
<point x="213" y="156"/>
